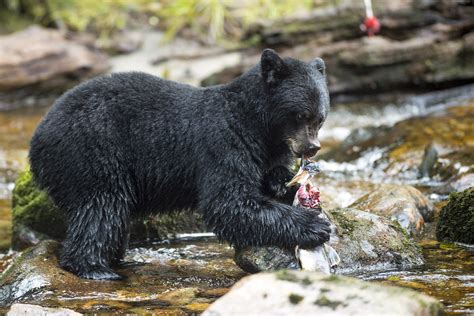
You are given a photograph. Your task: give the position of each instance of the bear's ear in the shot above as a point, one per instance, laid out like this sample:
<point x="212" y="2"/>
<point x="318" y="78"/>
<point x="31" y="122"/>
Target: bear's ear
<point x="318" y="63"/>
<point x="273" y="67"/>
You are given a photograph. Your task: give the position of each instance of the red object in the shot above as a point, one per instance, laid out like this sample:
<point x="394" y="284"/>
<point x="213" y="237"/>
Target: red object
<point x="308" y="196"/>
<point x="371" y="26"/>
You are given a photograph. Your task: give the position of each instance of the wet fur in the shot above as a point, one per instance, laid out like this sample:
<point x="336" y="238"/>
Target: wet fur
<point x="130" y="143"/>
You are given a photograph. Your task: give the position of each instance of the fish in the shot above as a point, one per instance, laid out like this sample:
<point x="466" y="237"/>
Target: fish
<point x="322" y="258"/>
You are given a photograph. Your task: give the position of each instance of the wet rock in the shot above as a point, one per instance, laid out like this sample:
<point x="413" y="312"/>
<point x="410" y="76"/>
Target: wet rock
<point x="256" y="259"/>
<point x="28" y="309"/>
<point x="34" y="215"/>
<point x="36" y="218"/>
<point x="430" y="157"/>
<point x="46" y="60"/>
<point x="370" y="242"/>
<point x="364" y="242"/>
<point x="404" y="204"/>
<point x="456" y="223"/>
<point x="305" y="293"/>
<point x="174" y="278"/>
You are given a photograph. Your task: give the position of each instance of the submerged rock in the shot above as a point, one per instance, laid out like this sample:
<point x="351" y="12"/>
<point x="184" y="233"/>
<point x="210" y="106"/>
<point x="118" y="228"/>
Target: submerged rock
<point x="305" y="293"/>
<point x="404" y="204"/>
<point x="36" y="218"/>
<point x="363" y="241"/>
<point x="456" y="222"/>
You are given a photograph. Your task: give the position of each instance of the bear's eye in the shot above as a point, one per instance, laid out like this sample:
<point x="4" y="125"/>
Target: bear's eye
<point x="303" y="117"/>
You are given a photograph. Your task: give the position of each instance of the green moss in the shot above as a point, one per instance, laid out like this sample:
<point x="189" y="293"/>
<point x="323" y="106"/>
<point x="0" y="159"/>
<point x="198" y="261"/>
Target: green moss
<point x="285" y="275"/>
<point x="343" y="221"/>
<point x="456" y="223"/>
<point x="324" y="301"/>
<point x="32" y="207"/>
<point x="333" y="278"/>
<point x="306" y="281"/>
<point x="295" y="298"/>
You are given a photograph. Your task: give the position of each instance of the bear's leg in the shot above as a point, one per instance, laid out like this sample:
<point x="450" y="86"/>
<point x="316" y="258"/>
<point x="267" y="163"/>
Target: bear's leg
<point x="96" y="237"/>
<point x="237" y="212"/>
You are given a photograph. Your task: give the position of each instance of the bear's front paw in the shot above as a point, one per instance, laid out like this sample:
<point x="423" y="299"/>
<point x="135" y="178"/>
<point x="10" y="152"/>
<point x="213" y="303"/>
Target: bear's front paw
<point x="316" y="232"/>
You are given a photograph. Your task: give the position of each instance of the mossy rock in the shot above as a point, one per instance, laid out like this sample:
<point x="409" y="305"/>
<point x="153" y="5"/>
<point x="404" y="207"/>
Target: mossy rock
<point x="35" y="218"/>
<point x="364" y="242"/>
<point x="34" y="214"/>
<point x="456" y="223"/>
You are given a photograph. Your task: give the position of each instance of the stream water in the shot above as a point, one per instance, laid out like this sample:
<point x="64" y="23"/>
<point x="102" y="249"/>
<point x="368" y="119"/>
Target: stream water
<point x="447" y="275"/>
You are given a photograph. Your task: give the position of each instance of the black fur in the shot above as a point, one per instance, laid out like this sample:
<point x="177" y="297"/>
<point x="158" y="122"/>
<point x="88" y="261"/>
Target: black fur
<point x="130" y="143"/>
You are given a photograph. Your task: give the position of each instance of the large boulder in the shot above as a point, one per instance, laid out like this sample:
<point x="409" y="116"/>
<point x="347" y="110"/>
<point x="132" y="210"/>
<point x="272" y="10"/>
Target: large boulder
<point x="364" y="242"/>
<point x="45" y="59"/>
<point x="404" y="204"/>
<point x="36" y="218"/>
<point x="456" y="222"/>
<point x="305" y="293"/>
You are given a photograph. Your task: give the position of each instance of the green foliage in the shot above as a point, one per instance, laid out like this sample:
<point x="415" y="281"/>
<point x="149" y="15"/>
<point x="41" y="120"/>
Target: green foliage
<point x="211" y="20"/>
<point x="220" y="19"/>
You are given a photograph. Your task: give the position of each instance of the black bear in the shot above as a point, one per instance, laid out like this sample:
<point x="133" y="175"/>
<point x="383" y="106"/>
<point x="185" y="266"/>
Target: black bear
<point x="127" y="144"/>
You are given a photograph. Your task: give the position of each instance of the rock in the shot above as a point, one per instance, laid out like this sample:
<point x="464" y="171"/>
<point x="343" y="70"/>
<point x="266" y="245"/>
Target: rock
<point x="461" y="183"/>
<point x="36" y="218"/>
<point x="416" y="48"/>
<point x="46" y="60"/>
<point x="430" y="157"/>
<point x="363" y="241"/>
<point x="34" y="215"/>
<point x="404" y="204"/>
<point x="28" y="309"/>
<point x="456" y="222"/>
<point x="305" y="293"/>
<point x="172" y="277"/>
<point x="256" y="259"/>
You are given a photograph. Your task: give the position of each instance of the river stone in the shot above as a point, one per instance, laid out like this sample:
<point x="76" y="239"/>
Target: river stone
<point x="404" y="204"/>
<point x="29" y="309"/>
<point x="456" y="222"/>
<point x="38" y="55"/>
<point x="364" y="242"/>
<point x="306" y="293"/>
<point x="36" y="218"/>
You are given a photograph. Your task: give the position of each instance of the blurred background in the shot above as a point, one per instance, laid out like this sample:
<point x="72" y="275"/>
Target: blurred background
<point x="401" y="84"/>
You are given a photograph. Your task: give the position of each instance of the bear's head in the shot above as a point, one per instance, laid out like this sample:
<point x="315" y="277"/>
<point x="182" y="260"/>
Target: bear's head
<point x="297" y="101"/>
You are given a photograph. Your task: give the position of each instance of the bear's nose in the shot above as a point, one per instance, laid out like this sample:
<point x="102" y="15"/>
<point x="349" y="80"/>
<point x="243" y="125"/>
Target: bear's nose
<point x="314" y="144"/>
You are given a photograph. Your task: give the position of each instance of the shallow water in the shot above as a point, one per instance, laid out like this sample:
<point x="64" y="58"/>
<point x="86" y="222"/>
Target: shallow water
<point x="448" y="274"/>
<point x="16" y="128"/>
